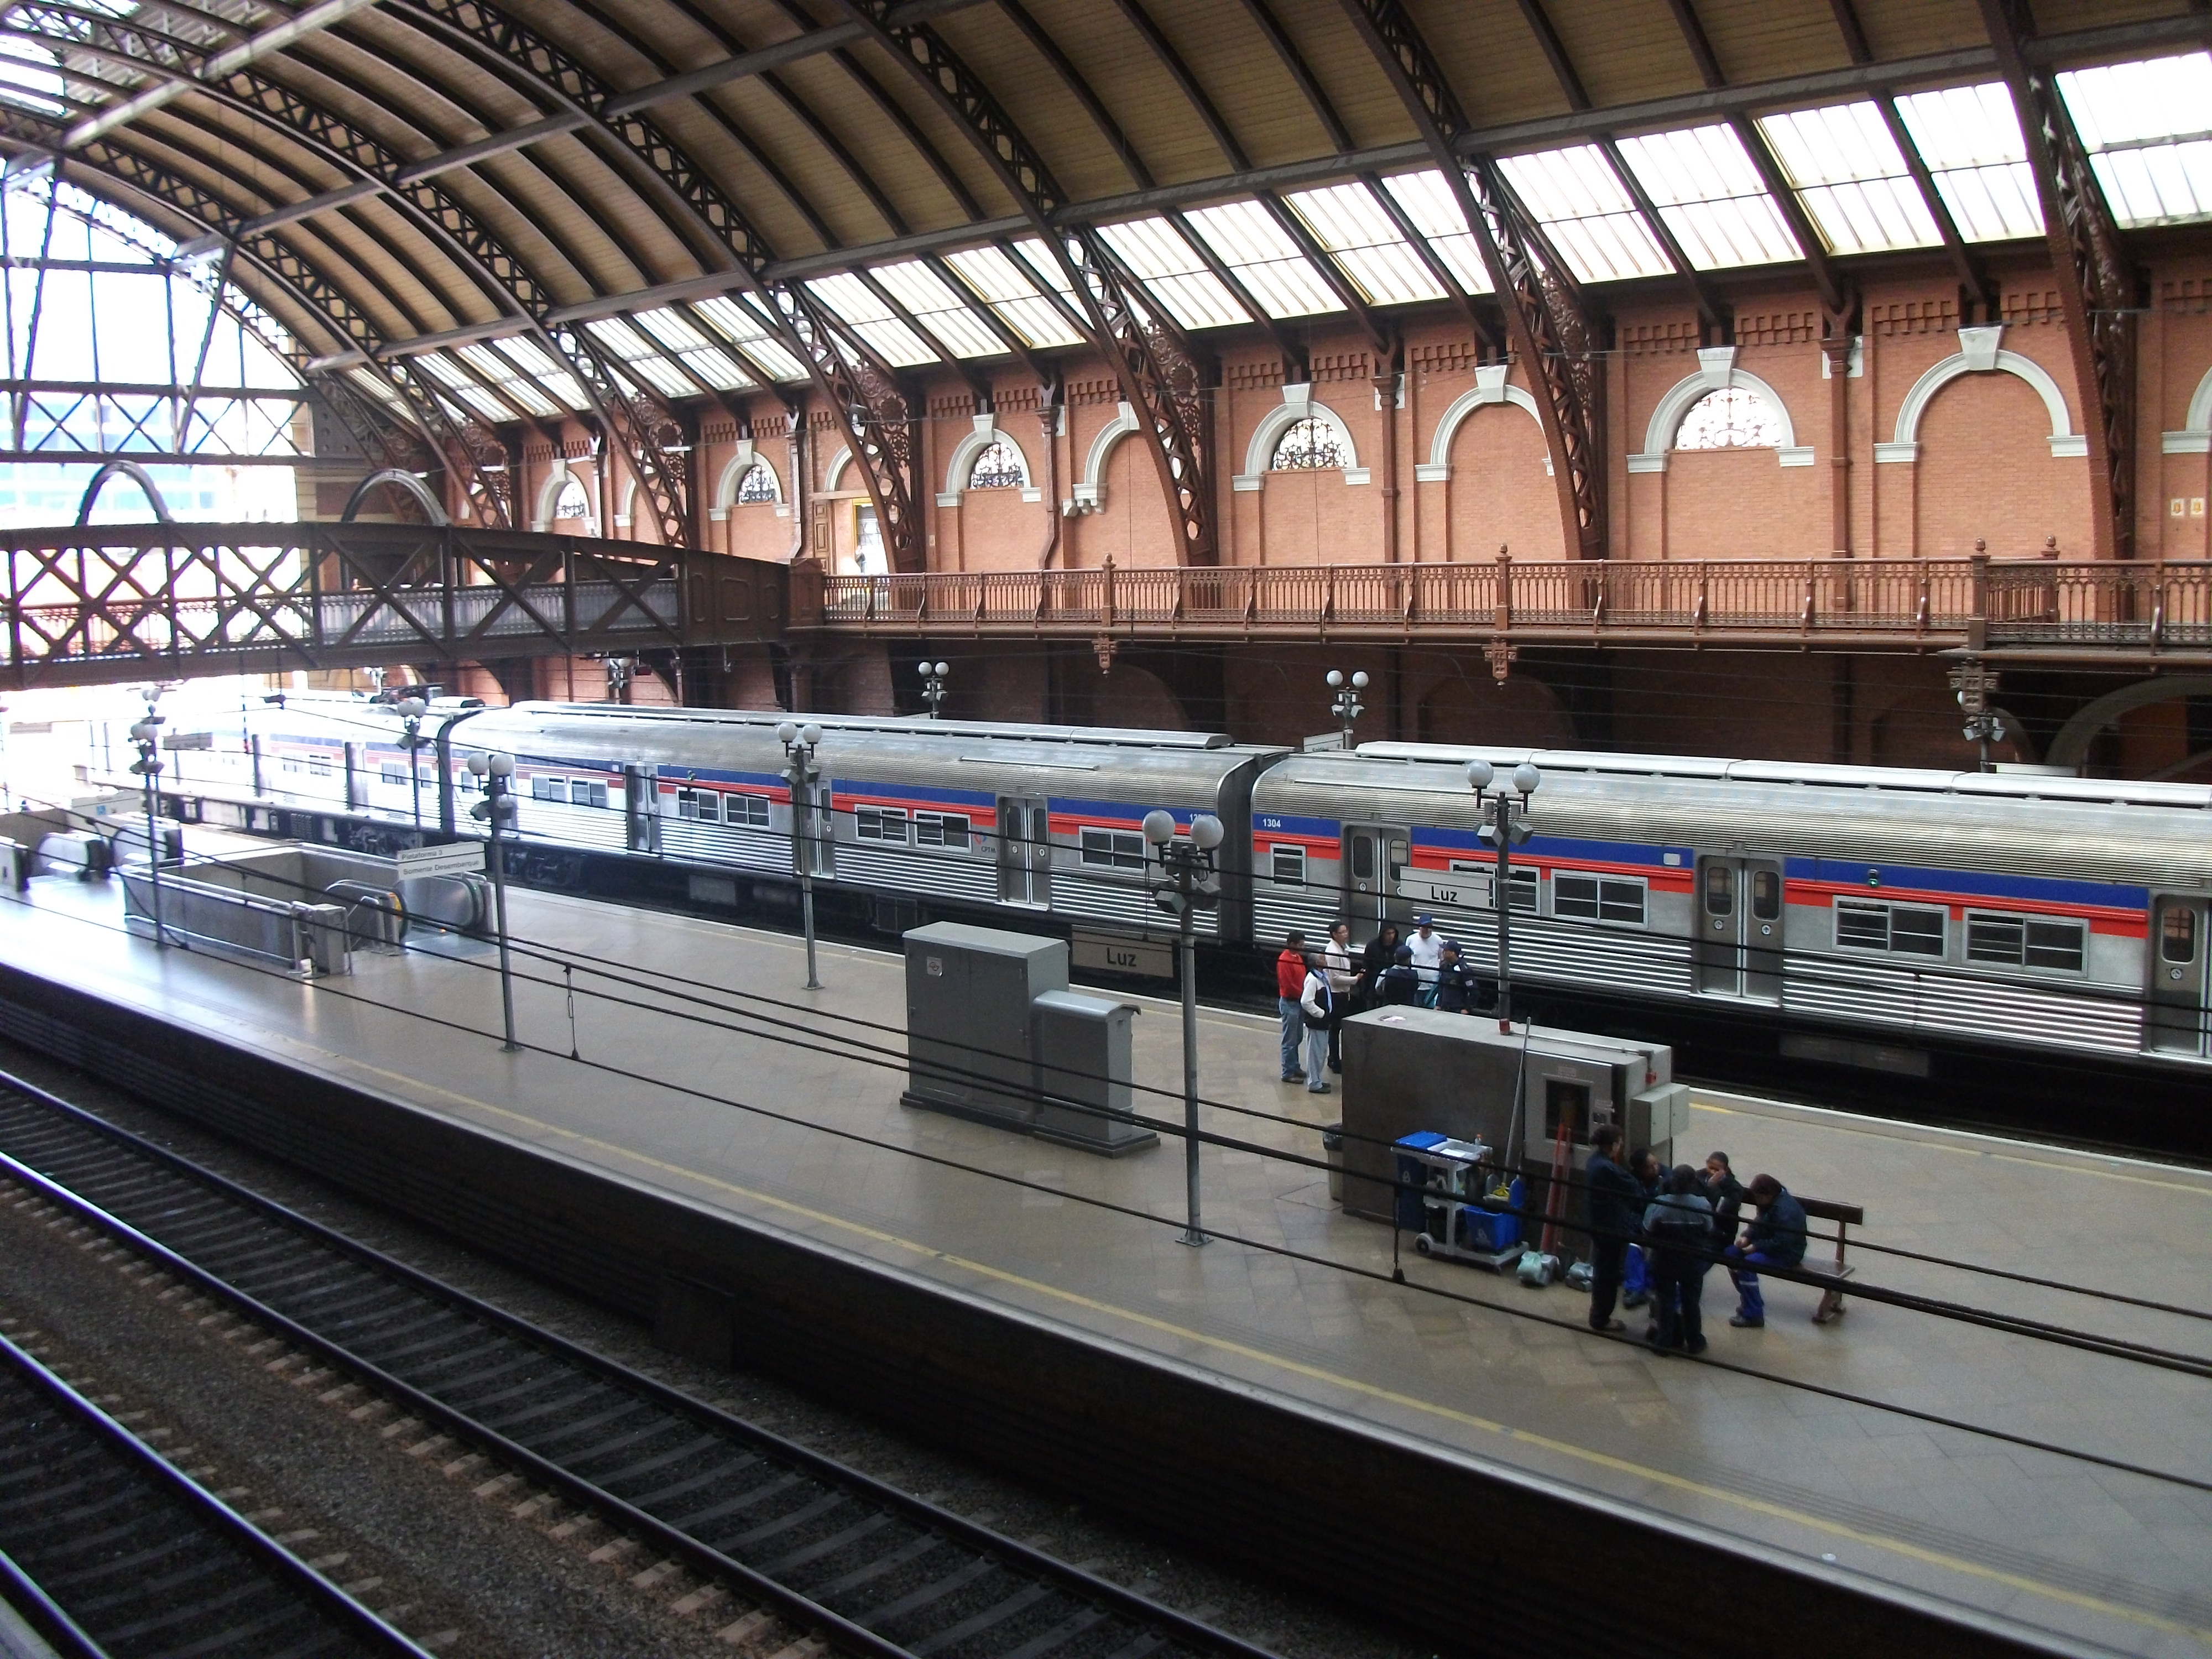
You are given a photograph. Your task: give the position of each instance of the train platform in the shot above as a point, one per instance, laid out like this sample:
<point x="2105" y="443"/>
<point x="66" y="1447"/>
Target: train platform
<point x="1848" y="1450"/>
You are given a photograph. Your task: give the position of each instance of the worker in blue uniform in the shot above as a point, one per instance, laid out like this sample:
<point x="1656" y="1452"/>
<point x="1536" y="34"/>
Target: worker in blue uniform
<point x="1457" y="990"/>
<point x="1776" y="1239"/>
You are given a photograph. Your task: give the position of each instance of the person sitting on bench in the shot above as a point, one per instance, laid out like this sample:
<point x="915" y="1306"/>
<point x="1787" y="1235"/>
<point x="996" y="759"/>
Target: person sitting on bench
<point x="1776" y="1239"/>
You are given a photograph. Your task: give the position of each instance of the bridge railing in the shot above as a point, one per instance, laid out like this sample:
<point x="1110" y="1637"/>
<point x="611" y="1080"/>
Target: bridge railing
<point x="102" y="603"/>
<point x="1970" y="601"/>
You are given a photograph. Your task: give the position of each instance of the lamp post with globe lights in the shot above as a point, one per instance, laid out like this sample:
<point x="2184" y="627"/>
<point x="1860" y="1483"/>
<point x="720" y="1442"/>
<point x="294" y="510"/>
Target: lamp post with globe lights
<point x="801" y="773"/>
<point x="147" y="734"/>
<point x="932" y="686"/>
<point x="1346" y="707"/>
<point x="1505" y="830"/>
<point x="411" y="711"/>
<point x="496" y="811"/>
<point x="1186" y="885"/>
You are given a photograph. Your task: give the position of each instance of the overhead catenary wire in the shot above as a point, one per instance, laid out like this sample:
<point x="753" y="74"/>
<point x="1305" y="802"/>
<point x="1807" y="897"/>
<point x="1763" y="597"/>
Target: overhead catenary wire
<point x="1131" y="1211"/>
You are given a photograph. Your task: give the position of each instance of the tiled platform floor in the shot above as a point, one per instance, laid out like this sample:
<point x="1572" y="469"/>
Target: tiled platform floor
<point x="2110" y="1559"/>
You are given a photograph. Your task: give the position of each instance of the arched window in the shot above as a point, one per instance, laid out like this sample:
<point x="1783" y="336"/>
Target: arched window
<point x="757" y="485"/>
<point x="1734" y="418"/>
<point x="1309" y="445"/>
<point x="999" y="466"/>
<point x="571" y="502"/>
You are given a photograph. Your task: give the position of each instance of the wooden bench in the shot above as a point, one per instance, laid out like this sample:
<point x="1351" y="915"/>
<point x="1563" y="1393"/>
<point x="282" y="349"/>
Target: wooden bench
<point x="1846" y="1217"/>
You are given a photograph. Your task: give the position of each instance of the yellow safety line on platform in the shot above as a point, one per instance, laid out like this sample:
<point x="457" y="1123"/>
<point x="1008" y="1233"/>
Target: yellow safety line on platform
<point x="1374" y="1391"/>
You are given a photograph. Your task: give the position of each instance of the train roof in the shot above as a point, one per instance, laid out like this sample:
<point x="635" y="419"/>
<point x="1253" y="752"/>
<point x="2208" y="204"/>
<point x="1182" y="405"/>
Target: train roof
<point x="909" y="726"/>
<point x="2004" y="785"/>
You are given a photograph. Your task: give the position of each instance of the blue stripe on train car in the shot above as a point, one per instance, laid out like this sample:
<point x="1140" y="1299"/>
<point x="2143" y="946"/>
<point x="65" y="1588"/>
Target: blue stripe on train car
<point x="1107" y="813"/>
<point x="1909" y="879"/>
<point x="1289" y="824"/>
<point x="1560" y="846"/>
<point x="908" y="792"/>
<point x="674" y="778"/>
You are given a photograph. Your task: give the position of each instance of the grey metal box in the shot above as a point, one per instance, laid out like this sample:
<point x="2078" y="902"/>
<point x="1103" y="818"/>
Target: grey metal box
<point x="968" y="997"/>
<point x="1413" y="1069"/>
<point x="1083" y="1070"/>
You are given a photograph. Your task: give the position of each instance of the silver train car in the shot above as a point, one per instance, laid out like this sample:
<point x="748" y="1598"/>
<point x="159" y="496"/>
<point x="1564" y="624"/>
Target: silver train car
<point x="1914" y="909"/>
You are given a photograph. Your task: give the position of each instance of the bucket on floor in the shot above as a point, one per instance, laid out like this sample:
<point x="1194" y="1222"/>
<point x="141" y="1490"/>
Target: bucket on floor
<point x="1332" y="1148"/>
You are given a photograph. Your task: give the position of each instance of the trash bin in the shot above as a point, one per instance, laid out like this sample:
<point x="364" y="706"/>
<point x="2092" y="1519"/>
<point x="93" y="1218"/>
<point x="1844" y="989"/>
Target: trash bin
<point x="1332" y="1148"/>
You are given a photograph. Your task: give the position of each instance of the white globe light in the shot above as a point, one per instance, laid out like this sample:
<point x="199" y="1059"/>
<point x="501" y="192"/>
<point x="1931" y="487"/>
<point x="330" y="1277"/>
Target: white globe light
<point x="809" y="734"/>
<point x="923" y="666"/>
<point x="503" y="766"/>
<point x="1480" y="773"/>
<point x="477" y="765"/>
<point x="1205" y="832"/>
<point x="1359" y="681"/>
<point x="943" y="669"/>
<point x="140" y="731"/>
<point x="1159" y="827"/>
<point x="1526" y="778"/>
<point x="413" y="709"/>
<point x="787" y="733"/>
<point x="1335" y="679"/>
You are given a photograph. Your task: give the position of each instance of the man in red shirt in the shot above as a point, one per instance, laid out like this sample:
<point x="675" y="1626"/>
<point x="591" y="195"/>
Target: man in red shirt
<point x="1289" y="986"/>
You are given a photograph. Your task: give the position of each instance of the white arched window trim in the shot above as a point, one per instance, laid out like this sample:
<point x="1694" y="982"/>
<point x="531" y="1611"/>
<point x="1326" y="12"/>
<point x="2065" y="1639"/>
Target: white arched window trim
<point x="1490" y="387"/>
<point x="1297" y="406"/>
<point x="987" y="431"/>
<point x="1978" y="353"/>
<point x="2196" y="437"/>
<point x="627" y="511"/>
<point x="1091" y="494"/>
<point x="548" y="497"/>
<point x="1717" y="371"/>
<point x="837" y="465"/>
<point x="742" y="461"/>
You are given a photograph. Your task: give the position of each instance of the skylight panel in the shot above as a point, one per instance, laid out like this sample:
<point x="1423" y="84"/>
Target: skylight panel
<point x="939" y="309"/>
<point x="2148" y="127"/>
<point x="1711" y="197"/>
<point x="718" y="369"/>
<point x="1173" y="274"/>
<point x="637" y="354"/>
<point x="1851" y="178"/>
<point x="541" y="371"/>
<point x="1969" y="138"/>
<point x="1014" y="296"/>
<point x="1347" y="220"/>
<point x="1245" y="237"/>
<point x="502" y="374"/>
<point x="458" y="385"/>
<point x="1588" y="212"/>
<point x="1427" y="200"/>
<point x="743" y="328"/>
<point x="871" y="320"/>
<point x="670" y="328"/>
<point x="673" y="332"/>
<point x="1039" y="258"/>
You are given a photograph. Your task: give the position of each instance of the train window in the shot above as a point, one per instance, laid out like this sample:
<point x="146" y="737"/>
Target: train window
<point x="294" y="763"/>
<point x="1521" y="891"/>
<point x="2177" y="934"/>
<point x="319" y="766"/>
<point x="1114" y="849"/>
<point x="1362" y="857"/>
<point x="548" y="788"/>
<point x="701" y="803"/>
<point x="465" y="781"/>
<point x="1720" y="889"/>
<point x="940" y="829"/>
<point x="1766" y="894"/>
<point x="751" y="811"/>
<point x="1597" y="898"/>
<point x="1907" y="929"/>
<point x="392" y="774"/>
<point x="584" y="792"/>
<point x="879" y="823"/>
<point x="2027" y="942"/>
<point x="1288" y="865"/>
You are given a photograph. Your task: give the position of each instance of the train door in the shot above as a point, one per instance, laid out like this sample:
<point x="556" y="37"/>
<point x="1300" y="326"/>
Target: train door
<point x="642" y="807"/>
<point x="1374" y="858"/>
<point x="814" y="828"/>
<point x="2179" y="1023"/>
<point x="1025" y="850"/>
<point x="1738" y="949"/>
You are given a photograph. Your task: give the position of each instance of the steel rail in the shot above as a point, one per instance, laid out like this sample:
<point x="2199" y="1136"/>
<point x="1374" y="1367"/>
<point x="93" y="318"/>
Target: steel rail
<point x="88" y="1465"/>
<point x="365" y="1313"/>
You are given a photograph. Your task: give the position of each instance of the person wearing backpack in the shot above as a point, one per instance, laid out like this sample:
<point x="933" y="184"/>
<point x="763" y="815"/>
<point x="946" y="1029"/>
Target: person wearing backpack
<point x="1316" y="1004"/>
<point x="1680" y="1225"/>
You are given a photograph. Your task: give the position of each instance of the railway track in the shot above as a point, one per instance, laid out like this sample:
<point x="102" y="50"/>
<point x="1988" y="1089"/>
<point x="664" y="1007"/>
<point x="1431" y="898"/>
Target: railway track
<point x="109" y="1553"/>
<point x="872" y="1568"/>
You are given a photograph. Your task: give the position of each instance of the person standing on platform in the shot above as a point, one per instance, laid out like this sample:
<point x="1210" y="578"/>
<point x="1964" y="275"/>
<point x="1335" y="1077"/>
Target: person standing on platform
<point x="1428" y="949"/>
<point x="1400" y="983"/>
<point x="1337" y="955"/>
<point x="1457" y="990"/>
<point x="1289" y="986"/>
<point x="1636" y="1274"/>
<point x="1375" y="962"/>
<point x="1776" y="1239"/>
<point x="1315" y="1004"/>
<point x="1680" y="1225"/>
<point x="1614" y="1202"/>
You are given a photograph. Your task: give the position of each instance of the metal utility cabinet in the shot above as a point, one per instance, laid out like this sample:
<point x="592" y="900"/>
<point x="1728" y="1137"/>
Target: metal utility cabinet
<point x="968" y="997"/>
<point x="1083" y="1062"/>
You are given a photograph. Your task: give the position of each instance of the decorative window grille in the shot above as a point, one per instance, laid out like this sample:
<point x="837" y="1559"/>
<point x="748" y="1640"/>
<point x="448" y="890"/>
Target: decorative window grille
<point x="1730" y="418"/>
<point x="998" y="466"/>
<point x="1309" y="445"/>
<point x="571" y="502"/>
<point x="756" y="486"/>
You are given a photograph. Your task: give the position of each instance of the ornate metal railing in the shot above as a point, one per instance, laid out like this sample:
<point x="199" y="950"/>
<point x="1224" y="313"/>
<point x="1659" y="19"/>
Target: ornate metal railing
<point x="1918" y="604"/>
<point x="105" y="603"/>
